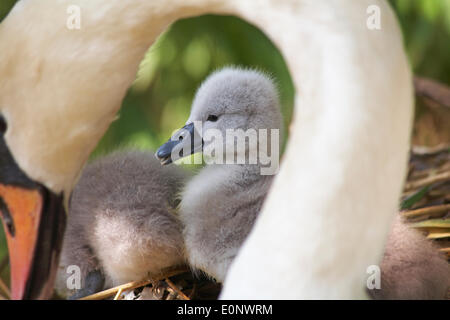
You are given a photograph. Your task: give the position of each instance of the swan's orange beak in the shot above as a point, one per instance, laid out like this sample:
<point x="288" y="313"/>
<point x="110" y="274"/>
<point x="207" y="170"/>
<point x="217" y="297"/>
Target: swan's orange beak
<point x="21" y="216"/>
<point x="34" y="221"/>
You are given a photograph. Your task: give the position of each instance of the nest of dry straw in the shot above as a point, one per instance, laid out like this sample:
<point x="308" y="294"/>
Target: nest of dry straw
<point x="426" y="198"/>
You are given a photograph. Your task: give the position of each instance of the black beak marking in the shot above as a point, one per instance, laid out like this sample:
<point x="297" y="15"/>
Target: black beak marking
<point x="7" y="218"/>
<point x="174" y="148"/>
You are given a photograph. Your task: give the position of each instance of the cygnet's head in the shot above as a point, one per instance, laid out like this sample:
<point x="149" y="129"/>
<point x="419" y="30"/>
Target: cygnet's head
<point x="234" y="98"/>
<point x="229" y="99"/>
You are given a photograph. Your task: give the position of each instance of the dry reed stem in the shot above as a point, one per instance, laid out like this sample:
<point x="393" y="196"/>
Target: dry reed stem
<point x="5" y="288"/>
<point x="175" y="288"/>
<point x="429" y="172"/>
<point x="117" y="297"/>
<point x="427" y="181"/>
<point x="438" y="235"/>
<point x="426" y="151"/>
<point x="133" y="285"/>
<point x="426" y="211"/>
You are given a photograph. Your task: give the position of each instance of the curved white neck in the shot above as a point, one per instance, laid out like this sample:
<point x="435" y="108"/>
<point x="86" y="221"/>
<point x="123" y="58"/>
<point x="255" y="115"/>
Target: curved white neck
<point x="328" y="212"/>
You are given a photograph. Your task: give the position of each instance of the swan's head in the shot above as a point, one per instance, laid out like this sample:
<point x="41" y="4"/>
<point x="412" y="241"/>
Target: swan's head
<point x="233" y="111"/>
<point x="33" y="218"/>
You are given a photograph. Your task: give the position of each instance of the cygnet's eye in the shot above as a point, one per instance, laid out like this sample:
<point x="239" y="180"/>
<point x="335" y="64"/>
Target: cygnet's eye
<point x="212" y="118"/>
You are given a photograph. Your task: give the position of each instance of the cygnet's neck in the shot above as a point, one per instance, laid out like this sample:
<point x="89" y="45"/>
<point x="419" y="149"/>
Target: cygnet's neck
<point x="223" y="179"/>
<point x="234" y="174"/>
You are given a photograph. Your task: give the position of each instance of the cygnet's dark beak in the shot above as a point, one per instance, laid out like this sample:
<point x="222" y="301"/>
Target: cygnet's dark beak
<point x="183" y="143"/>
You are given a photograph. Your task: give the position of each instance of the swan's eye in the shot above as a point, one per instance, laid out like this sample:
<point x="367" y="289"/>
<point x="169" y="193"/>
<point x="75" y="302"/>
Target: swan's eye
<point x="3" y="125"/>
<point x="212" y="118"/>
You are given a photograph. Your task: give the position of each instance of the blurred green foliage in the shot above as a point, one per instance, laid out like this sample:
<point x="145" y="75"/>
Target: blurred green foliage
<point x="426" y="29"/>
<point x="5" y="6"/>
<point x="160" y="98"/>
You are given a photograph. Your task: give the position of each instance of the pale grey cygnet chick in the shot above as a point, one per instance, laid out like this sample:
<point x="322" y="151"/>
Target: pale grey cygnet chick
<point x="412" y="267"/>
<point x="121" y="225"/>
<point x="221" y="203"/>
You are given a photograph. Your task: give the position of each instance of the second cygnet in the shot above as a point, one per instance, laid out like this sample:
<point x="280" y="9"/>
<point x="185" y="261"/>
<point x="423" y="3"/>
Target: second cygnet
<point x="121" y="225"/>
